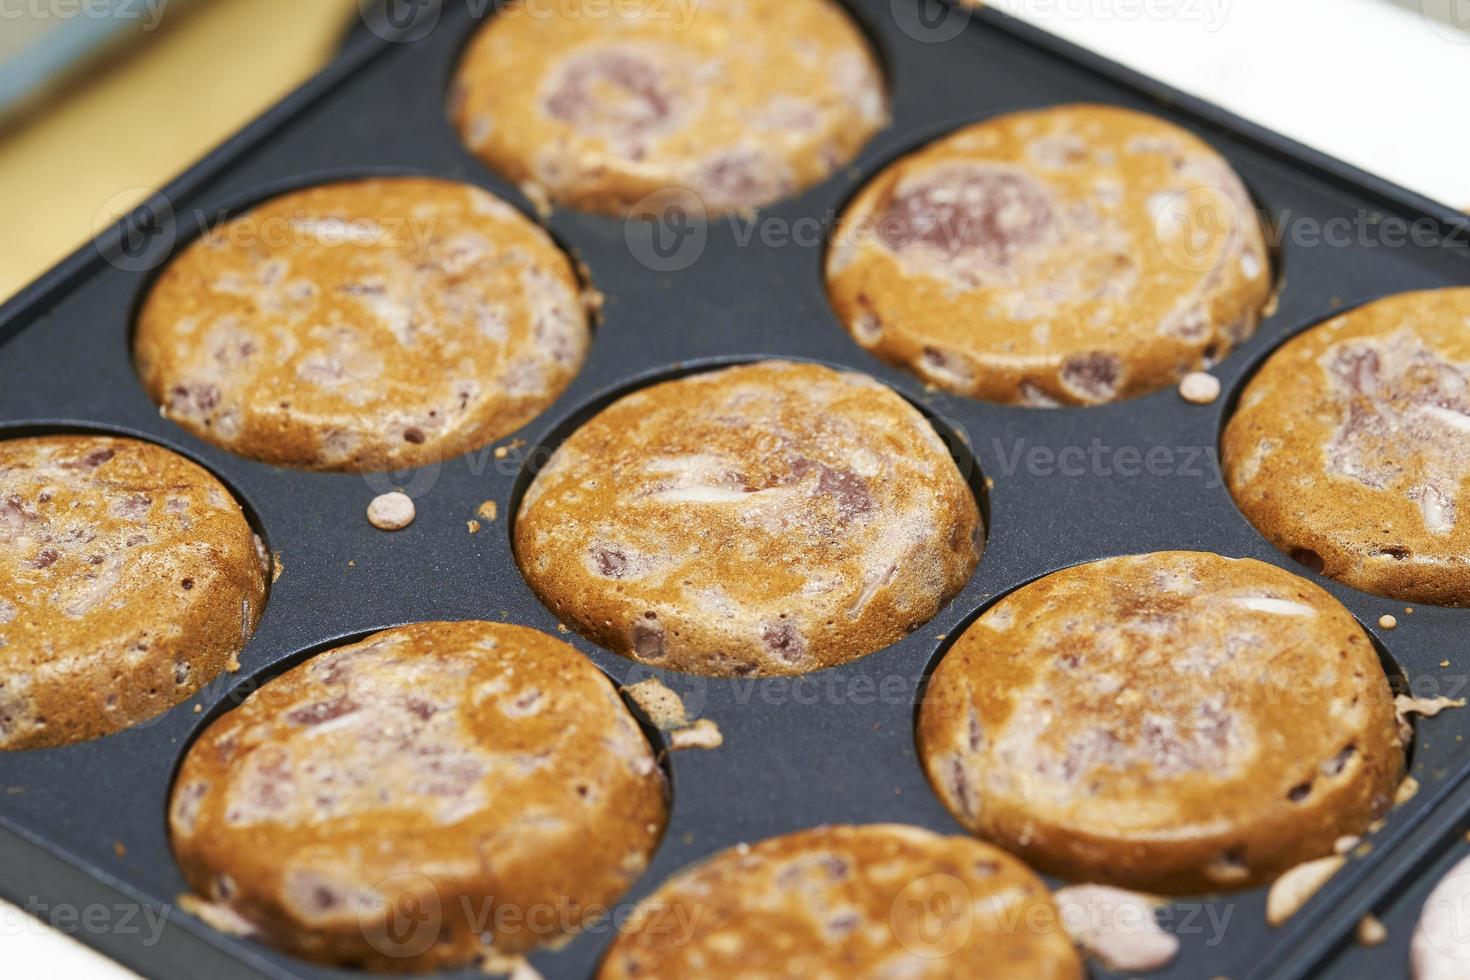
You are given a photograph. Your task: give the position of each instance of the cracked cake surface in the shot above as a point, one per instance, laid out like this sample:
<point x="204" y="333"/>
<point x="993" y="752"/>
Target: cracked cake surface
<point x="741" y="102"/>
<point x="486" y="774"/>
<point x="129" y="579"/>
<point x="772" y="518"/>
<point x="1176" y="722"/>
<point x="1350" y="447"/>
<point x="364" y="325"/>
<point x="1074" y="255"/>
<point x="881" y="900"/>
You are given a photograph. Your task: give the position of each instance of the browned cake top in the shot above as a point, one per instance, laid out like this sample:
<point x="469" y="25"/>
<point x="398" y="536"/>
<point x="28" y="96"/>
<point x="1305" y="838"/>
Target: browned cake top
<point x="129" y="577"/>
<point x="1351" y="447"/>
<point x="1175" y="721"/>
<point x="772" y="518"/>
<point x="741" y="101"/>
<point x="455" y="761"/>
<point x="836" y="902"/>
<point x="365" y="325"/>
<point x="1071" y="255"/>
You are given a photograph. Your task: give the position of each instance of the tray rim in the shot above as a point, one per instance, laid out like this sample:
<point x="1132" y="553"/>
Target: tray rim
<point x="1320" y="941"/>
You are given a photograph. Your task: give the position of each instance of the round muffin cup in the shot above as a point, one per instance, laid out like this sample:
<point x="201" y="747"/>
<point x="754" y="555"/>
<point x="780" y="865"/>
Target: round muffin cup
<point x="836" y="902"/>
<point x="1175" y="722"/>
<point x="771" y="518"/>
<point x="129" y="578"/>
<point x="1066" y="256"/>
<point x="735" y="104"/>
<point x="433" y="795"/>
<point x="364" y="325"/>
<point x="1350" y="448"/>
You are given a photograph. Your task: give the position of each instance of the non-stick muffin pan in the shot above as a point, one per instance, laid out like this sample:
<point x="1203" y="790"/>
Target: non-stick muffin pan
<point x="85" y="839"/>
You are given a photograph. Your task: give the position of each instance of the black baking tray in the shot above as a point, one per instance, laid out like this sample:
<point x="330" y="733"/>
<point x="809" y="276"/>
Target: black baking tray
<point x="83" y="828"/>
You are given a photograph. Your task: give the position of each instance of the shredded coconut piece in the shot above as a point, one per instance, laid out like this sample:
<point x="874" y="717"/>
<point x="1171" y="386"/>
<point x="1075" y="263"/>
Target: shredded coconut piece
<point x="662" y="706"/>
<point x="703" y="734"/>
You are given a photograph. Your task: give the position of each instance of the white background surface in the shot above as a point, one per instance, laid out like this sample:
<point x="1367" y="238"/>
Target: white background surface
<point x="1375" y="82"/>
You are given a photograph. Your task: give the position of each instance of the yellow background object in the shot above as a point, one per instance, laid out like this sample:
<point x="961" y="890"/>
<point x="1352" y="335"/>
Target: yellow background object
<point x="146" y="113"/>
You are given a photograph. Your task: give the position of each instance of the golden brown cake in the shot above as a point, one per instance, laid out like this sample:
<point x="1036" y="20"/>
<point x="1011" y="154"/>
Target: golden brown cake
<point x="1350" y="448"/>
<point x="838" y="902"/>
<point x="129" y="579"/>
<point x="434" y="794"/>
<point x="772" y="518"/>
<point x="1175" y="722"/>
<point x="740" y="101"/>
<point x="367" y="325"/>
<point x="1066" y="256"/>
